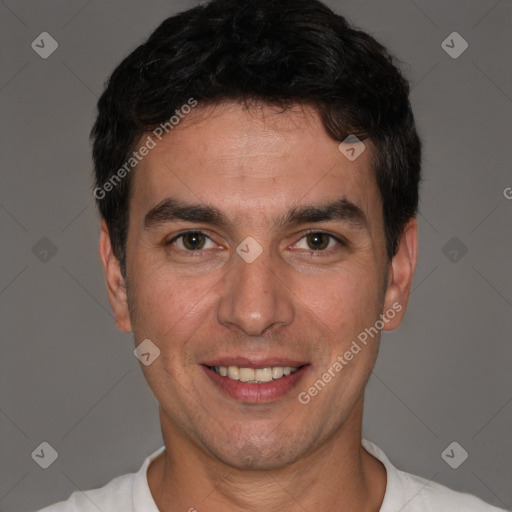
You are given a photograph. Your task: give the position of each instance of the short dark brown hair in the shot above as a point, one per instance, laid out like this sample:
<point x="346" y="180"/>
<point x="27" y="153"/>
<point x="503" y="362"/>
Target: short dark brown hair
<point x="280" y="52"/>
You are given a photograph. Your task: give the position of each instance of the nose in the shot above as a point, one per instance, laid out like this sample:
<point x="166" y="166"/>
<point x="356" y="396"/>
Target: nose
<point x="254" y="298"/>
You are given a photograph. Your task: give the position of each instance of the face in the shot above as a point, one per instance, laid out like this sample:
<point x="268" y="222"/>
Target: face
<point x="255" y="244"/>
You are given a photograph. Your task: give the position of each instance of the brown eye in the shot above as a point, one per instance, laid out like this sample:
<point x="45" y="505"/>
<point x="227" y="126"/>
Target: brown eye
<point x="318" y="241"/>
<point x="191" y="241"/>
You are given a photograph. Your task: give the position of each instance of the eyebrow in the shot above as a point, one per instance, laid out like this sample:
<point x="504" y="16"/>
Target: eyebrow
<point x="341" y="210"/>
<point x="171" y="209"/>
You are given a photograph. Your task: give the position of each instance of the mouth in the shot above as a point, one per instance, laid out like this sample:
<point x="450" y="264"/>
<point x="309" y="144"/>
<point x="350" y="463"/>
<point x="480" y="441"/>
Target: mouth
<point x="254" y="375"/>
<point x="253" y="382"/>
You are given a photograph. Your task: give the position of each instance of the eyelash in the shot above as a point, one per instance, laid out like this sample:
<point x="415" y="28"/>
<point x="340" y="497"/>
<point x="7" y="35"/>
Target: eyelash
<point x="341" y="242"/>
<point x="182" y="234"/>
<point x="323" y="252"/>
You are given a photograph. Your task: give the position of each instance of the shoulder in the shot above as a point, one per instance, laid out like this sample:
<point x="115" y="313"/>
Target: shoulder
<point x="127" y="493"/>
<point x="116" y="495"/>
<point x="411" y="493"/>
<point x="429" y="496"/>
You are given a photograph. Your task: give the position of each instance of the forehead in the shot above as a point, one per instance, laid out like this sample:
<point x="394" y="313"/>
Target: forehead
<point x="247" y="160"/>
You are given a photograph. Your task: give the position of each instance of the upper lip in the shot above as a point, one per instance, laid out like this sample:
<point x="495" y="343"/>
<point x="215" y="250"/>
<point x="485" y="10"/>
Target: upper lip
<point x="246" y="362"/>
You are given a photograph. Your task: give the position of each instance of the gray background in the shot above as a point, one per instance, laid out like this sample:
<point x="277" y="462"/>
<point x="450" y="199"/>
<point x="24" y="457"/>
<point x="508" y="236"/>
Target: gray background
<point x="69" y="378"/>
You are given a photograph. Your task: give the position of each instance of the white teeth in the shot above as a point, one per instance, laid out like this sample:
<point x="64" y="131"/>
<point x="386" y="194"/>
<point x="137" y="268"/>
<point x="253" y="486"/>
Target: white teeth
<point x="233" y="372"/>
<point x="263" y="374"/>
<point x="254" y="376"/>
<point x="246" y="374"/>
<point x="277" y="372"/>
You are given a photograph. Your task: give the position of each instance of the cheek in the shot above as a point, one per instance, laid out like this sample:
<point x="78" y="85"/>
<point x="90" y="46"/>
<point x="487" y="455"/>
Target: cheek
<point x="170" y="312"/>
<point x="169" y="307"/>
<point x="346" y="301"/>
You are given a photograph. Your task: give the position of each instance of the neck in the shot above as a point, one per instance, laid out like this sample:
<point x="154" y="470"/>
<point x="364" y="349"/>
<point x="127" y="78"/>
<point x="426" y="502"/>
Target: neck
<point x="338" y="476"/>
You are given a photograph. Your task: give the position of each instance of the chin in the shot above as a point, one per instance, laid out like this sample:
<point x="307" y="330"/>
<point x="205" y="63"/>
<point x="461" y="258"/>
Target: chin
<point x="258" y="455"/>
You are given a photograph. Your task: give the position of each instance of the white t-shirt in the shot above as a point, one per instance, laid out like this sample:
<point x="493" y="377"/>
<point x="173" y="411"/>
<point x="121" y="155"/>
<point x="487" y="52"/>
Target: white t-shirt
<point x="404" y="493"/>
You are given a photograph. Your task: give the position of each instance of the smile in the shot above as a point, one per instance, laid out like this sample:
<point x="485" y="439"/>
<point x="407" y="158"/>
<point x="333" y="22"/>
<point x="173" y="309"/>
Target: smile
<point x="256" y="385"/>
<point x="254" y="375"/>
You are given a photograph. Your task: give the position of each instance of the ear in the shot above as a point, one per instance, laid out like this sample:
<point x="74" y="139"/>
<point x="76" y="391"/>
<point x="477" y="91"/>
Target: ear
<point x="401" y="274"/>
<point x="116" y="286"/>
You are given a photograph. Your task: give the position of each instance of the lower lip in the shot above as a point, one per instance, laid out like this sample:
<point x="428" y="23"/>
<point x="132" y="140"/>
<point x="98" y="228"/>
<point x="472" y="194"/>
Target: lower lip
<point x="256" y="393"/>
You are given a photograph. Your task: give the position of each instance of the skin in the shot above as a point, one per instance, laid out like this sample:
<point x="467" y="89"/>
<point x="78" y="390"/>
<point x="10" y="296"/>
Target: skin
<point x="254" y="165"/>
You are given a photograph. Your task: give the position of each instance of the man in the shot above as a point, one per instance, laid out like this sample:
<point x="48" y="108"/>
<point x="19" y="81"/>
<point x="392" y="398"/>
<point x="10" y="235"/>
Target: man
<point x="257" y="170"/>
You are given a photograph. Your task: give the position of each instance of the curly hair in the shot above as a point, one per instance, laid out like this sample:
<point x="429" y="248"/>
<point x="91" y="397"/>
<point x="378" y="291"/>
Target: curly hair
<point x="280" y="52"/>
